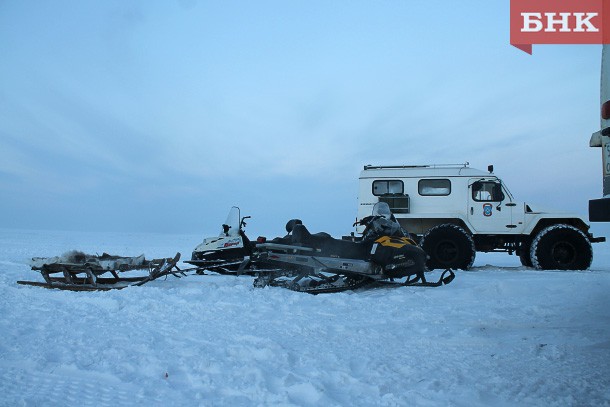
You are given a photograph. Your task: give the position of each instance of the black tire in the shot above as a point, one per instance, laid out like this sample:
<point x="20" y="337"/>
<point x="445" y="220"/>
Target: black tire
<point x="524" y="254"/>
<point x="448" y="246"/>
<point x="561" y="247"/>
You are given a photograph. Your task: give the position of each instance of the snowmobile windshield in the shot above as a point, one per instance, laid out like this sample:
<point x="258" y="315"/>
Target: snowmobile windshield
<point x="383" y="223"/>
<point x="382" y="209"/>
<point x="231" y="225"/>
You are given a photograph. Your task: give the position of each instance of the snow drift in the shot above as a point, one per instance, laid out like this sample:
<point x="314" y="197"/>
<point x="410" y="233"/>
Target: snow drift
<point x="500" y="334"/>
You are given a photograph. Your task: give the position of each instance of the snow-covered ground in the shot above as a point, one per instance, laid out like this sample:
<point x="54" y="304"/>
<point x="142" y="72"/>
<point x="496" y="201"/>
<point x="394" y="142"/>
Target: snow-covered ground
<point x="499" y="335"/>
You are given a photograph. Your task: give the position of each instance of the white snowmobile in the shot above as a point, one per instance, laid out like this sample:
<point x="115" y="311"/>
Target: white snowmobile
<point x="318" y="263"/>
<point x="226" y="252"/>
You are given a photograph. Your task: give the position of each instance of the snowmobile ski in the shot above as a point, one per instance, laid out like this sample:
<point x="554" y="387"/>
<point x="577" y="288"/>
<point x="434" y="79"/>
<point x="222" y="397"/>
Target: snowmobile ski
<point x="218" y="266"/>
<point x="446" y="277"/>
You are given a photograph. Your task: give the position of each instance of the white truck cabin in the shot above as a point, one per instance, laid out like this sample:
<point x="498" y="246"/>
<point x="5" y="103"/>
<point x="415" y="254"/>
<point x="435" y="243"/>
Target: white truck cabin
<point x="421" y="196"/>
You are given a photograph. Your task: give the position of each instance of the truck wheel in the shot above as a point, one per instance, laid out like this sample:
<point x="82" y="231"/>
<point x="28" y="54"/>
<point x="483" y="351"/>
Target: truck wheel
<point x="526" y="259"/>
<point x="524" y="254"/>
<point x="448" y="246"/>
<point x="561" y="247"/>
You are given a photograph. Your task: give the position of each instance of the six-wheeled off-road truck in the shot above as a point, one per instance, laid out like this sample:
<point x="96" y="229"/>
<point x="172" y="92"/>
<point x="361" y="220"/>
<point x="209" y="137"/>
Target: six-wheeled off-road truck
<point x="453" y="211"/>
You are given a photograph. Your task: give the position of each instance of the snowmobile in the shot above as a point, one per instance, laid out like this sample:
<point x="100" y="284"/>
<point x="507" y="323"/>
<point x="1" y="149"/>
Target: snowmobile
<point x="226" y="252"/>
<point x="77" y="271"/>
<point x="318" y="263"/>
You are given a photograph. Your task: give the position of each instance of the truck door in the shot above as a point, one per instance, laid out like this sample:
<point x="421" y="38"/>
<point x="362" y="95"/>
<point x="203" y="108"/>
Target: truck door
<point x="489" y="209"/>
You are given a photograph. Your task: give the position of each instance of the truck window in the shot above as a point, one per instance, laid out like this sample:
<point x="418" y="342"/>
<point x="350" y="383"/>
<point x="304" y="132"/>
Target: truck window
<point x="385" y="187"/>
<point x="487" y="191"/>
<point x="434" y="187"/>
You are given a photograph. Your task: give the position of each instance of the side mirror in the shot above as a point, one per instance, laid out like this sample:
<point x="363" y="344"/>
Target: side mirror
<point x="490" y="168"/>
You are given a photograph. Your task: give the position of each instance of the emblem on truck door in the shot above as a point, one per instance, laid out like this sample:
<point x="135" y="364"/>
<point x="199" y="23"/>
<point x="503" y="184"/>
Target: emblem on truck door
<point x="487" y="209"/>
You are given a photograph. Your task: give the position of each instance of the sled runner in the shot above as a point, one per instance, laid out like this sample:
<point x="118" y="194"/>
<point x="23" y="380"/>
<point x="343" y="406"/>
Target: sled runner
<point x="78" y="271"/>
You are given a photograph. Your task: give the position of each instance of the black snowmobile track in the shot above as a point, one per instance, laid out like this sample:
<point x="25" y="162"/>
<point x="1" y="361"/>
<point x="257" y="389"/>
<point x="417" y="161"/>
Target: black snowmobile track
<point x="327" y="285"/>
<point x="349" y="283"/>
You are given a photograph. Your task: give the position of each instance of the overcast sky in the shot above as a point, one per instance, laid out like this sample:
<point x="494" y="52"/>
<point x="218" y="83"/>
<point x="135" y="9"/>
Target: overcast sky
<point x="161" y="115"/>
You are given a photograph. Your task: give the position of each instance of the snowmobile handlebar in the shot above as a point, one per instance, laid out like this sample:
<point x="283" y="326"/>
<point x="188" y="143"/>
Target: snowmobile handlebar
<point x="243" y="221"/>
<point x="366" y="220"/>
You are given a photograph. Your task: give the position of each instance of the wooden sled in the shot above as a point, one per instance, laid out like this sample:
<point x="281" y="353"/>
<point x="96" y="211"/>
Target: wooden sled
<point x="77" y="271"/>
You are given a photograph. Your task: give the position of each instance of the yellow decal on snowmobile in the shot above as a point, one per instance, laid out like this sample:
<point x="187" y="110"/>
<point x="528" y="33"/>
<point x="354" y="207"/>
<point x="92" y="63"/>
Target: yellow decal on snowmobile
<point x="394" y="241"/>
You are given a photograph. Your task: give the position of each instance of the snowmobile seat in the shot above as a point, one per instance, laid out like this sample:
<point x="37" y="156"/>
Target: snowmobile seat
<point x="288" y="239"/>
<point x="328" y="245"/>
<point x="291" y="223"/>
<point x="300" y="235"/>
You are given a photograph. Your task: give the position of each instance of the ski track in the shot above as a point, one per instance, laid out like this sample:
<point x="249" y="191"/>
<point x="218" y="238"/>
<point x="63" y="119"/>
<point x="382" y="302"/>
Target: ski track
<point x="499" y="335"/>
